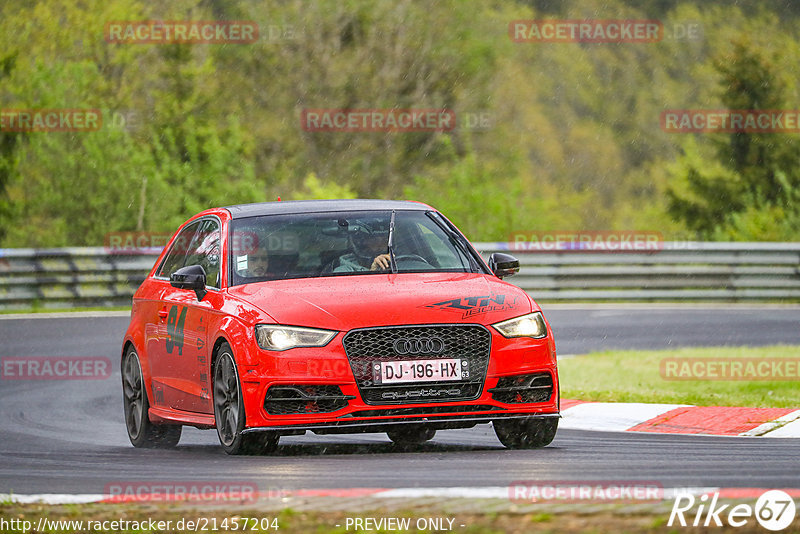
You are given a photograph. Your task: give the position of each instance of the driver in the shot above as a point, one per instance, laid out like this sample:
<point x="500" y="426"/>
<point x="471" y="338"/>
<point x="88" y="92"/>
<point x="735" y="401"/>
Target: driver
<point x="369" y="246"/>
<point x="257" y="264"/>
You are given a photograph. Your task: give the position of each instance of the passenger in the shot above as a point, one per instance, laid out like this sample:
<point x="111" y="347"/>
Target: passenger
<point x="253" y="265"/>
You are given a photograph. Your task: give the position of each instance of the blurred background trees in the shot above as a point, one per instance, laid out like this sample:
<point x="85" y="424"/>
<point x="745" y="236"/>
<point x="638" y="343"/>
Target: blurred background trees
<point x="573" y="138"/>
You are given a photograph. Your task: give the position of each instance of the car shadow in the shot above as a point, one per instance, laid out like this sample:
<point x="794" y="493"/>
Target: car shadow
<point x="348" y="449"/>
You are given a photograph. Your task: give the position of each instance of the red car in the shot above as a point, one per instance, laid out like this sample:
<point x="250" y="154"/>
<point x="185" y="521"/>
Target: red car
<point x="334" y="316"/>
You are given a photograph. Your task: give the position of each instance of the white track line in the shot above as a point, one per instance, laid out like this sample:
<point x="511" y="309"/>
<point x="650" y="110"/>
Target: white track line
<point x="767" y="428"/>
<point x="789" y="430"/>
<point x="489" y="492"/>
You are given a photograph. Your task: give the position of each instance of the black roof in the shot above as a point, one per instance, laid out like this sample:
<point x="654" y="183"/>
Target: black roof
<point x="320" y="206"/>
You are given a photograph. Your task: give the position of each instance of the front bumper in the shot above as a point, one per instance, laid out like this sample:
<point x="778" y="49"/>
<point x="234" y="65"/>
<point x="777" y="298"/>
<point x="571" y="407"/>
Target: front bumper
<point x="329" y="366"/>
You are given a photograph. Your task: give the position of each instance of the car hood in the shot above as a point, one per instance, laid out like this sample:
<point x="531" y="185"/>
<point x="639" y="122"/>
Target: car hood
<point x="355" y="301"/>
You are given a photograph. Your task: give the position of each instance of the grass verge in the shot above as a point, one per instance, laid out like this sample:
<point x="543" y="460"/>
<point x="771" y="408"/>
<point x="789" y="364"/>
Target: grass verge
<point x="578" y="519"/>
<point x="641" y="376"/>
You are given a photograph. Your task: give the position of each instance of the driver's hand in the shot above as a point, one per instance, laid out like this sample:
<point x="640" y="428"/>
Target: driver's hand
<point x="381" y="262"/>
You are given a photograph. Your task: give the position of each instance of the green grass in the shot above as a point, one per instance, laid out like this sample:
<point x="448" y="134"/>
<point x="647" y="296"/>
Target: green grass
<point x="635" y="376"/>
<point x="578" y="519"/>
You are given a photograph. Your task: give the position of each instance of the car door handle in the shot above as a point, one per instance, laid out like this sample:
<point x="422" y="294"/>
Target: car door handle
<point x="163" y="313"/>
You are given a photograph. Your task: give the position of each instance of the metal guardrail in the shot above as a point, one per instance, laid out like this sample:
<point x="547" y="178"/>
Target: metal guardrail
<point x="70" y="277"/>
<point x="681" y="271"/>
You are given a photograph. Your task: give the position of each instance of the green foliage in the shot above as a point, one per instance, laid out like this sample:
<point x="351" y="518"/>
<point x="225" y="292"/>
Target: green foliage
<point x="573" y="141"/>
<point x="313" y="188"/>
<point x="747" y="189"/>
<point x="9" y="141"/>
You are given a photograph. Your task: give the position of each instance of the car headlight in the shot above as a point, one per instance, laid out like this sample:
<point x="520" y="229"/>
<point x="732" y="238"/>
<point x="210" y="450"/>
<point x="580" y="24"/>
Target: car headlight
<point x="531" y="325"/>
<point x="278" y="337"/>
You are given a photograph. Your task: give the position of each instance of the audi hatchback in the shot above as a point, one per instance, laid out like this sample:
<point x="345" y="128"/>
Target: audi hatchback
<point x="337" y="316"/>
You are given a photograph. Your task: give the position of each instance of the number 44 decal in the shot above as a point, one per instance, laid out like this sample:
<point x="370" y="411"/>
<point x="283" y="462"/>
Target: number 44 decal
<point x="175" y="322"/>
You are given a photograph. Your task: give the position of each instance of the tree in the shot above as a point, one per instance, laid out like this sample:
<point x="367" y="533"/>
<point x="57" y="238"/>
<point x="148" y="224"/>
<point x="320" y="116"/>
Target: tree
<point x="723" y="192"/>
<point x="9" y="142"/>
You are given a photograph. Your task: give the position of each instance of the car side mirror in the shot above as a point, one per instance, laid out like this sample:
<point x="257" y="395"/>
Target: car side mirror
<point x="190" y="277"/>
<point x="503" y="264"/>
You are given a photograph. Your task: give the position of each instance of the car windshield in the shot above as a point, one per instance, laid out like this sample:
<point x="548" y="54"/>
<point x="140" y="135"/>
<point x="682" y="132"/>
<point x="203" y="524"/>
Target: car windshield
<point x="274" y="247"/>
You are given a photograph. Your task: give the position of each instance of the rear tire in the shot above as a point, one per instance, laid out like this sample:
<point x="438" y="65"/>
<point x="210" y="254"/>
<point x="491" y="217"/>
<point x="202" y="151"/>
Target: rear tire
<point x="141" y="431"/>
<point x="413" y="435"/>
<point x="229" y="414"/>
<point x="531" y="433"/>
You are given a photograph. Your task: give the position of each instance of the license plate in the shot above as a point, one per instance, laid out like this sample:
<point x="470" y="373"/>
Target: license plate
<point x="420" y="371"/>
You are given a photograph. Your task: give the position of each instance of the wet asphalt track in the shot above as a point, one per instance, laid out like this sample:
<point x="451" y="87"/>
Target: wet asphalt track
<point x="69" y="436"/>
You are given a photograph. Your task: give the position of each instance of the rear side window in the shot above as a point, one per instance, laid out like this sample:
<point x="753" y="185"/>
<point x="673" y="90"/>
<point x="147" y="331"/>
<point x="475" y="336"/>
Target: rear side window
<point x="197" y="244"/>
<point x="176" y="257"/>
<point x="204" y="251"/>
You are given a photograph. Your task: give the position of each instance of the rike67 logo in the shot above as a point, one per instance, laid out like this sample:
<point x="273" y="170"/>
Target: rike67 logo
<point x="774" y="510"/>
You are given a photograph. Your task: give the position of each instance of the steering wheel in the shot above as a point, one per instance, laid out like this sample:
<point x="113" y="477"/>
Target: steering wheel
<point x="412" y="257"/>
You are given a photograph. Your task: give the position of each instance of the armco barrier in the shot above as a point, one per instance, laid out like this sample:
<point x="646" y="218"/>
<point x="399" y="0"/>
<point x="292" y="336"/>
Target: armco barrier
<point x="681" y="271"/>
<point x="70" y="277"/>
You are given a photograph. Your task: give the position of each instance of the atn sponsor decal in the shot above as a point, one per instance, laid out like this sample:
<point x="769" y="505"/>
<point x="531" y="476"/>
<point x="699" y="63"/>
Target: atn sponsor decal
<point x="475" y="305"/>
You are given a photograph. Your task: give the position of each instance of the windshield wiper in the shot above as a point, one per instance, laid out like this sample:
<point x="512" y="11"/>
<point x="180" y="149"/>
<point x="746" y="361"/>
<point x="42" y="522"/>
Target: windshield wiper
<point x="392" y="260"/>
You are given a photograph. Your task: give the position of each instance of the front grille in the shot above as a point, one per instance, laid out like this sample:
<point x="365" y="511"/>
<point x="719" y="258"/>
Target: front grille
<point x="537" y="387"/>
<point x="304" y="399"/>
<point x="368" y="346"/>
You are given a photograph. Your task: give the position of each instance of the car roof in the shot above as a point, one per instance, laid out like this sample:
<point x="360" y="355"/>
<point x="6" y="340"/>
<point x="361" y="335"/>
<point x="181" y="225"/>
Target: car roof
<point x="242" y="211"/>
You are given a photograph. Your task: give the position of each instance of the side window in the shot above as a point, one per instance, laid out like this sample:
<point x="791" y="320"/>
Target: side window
<point x="446" y="256"/>
<point x="205" y="251"/>
<point x="176" y="257"/>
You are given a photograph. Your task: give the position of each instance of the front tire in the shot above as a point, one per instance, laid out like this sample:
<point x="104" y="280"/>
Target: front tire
<point x="229" y="414"/>
<point x="141" y="431"/>
<point x="531" y="433"/>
